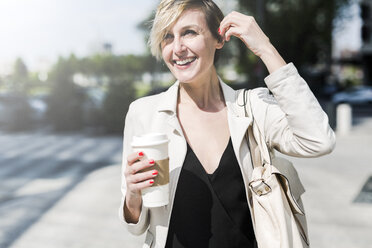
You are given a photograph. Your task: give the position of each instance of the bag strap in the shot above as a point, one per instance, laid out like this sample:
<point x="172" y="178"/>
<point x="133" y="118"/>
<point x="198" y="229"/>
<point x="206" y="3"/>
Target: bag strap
<point x="259" y="151"/>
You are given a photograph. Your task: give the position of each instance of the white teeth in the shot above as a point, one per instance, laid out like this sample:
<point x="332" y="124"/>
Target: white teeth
<point x="183" y="62"/>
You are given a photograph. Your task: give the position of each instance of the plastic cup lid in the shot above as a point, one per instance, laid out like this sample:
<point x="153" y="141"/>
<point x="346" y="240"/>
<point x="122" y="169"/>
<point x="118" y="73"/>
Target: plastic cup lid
<point x="150" y="139"/>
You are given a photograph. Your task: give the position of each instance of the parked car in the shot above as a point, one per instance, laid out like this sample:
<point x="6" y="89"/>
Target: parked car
<point x="39" y="108"/>
<point x="354" y="96"/>
<point x="18" y="112"/>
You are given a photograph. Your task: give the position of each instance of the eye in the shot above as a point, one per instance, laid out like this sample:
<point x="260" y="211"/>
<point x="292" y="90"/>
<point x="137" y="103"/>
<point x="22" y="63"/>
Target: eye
<point x="189" y="32"/>
<point x="168" y="37"/>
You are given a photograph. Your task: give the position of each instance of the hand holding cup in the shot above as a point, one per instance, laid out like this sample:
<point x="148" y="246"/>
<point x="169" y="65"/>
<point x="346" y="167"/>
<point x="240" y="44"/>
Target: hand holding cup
<point x="136" y="179"/>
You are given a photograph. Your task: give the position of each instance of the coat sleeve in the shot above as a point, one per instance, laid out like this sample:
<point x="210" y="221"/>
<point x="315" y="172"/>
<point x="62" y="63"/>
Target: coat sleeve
<point x="129" y="131"/>
<point x="293" y="121"/>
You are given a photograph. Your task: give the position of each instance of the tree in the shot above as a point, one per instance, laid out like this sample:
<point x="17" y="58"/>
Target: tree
<point x="19" y="117"/>
<point x="94" y="91"/>
<point x="20" y="77"/>
<point x="153" y="66"/>
<point x="120" y="94"/>
<point x="65" y="106"/>
<point x="301" y="30"/>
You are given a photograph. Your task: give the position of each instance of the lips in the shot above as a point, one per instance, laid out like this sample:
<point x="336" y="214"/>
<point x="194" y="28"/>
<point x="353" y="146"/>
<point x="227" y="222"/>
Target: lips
<point x="184" y="62"/>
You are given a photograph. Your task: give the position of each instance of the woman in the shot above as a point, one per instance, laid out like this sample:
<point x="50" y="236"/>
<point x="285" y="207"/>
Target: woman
<point x="210" y="162"/>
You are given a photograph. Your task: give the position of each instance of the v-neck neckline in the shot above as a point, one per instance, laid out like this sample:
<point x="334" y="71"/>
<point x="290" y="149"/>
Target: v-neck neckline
<point x="212" y="175"/>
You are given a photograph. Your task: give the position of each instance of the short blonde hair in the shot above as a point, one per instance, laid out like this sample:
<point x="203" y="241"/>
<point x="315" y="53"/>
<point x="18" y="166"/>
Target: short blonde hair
<point x="169" y="11"/>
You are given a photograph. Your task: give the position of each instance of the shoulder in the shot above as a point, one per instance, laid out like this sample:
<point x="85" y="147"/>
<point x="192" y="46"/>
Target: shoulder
<point x="262" y="97"/>
<point x="146" y="102"/>
<point x="264" y="106"/>
<point x="142" y="109"/>
<point x="149" y="103"/>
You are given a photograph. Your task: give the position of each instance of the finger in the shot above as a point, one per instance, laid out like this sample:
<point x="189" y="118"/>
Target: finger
<point x="142" y="185"/>
<point x="140" y="177"/>
<point x="235" y="20"/>
<point x="133" y="157"/>
<point x="224" y="27"/>
<point x="238" y="16"/>
<point x="138" y="166"/>
<point x="229" y="20"/>
<point x="226" y="19"/>
<point x="231" y="32"/>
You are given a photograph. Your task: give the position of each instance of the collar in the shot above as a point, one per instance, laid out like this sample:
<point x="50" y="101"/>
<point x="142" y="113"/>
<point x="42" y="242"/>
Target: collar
<point x="169" y="102"/>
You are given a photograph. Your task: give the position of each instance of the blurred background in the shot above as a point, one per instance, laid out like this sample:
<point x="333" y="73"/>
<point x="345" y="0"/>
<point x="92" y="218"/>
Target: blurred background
<point x="70" y="69"/>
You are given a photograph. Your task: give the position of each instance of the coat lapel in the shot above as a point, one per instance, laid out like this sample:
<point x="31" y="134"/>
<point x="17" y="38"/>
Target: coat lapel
<point x="238" y="123"/>
<point x="177" y="147"/>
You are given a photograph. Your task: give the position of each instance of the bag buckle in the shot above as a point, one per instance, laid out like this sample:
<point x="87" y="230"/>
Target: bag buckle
<point x="259" y="187"/>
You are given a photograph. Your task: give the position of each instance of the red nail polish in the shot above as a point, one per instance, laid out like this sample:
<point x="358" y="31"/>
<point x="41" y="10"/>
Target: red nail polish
<point x="152" y="181"/>
<point x="140" y="154"/>
<point x="219" y="30"/>
<point x="151" y="161"/>
<point x="155" y="173"/>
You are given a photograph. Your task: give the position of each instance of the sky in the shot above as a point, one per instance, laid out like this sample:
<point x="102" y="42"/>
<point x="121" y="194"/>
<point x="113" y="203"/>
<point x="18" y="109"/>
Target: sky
<point x="39" y="31"/>
<point x="349" y="36"/>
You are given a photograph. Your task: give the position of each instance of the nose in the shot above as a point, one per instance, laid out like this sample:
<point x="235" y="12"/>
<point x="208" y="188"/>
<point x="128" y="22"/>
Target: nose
<point x="179" y="47"/>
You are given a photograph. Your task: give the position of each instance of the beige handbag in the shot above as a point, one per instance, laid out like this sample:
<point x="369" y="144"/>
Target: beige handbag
<point x="275" y="194"/>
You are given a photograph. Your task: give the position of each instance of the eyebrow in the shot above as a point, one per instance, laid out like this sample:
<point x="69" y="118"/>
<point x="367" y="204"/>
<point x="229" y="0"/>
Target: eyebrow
<point x="191" y="26"/>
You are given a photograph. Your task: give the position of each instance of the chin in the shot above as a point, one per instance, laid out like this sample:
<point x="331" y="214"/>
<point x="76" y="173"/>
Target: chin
<point x="185" y="77"/>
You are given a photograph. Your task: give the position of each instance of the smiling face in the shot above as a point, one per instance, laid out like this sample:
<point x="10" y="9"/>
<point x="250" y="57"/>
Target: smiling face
<point x="188" y="47"/>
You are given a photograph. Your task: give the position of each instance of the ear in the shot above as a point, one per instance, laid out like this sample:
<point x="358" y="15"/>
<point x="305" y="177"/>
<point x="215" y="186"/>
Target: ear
<point x="220" y="44"/>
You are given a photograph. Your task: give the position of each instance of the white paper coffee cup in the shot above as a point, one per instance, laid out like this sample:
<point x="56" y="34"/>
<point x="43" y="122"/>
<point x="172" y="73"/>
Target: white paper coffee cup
<point x="155" y="146"/>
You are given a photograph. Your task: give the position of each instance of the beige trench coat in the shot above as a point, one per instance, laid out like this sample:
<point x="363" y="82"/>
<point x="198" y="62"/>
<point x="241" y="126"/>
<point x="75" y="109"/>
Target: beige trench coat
<point x="292" y="119"/>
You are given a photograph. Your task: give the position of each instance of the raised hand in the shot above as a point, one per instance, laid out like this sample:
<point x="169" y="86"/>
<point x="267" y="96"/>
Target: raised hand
<point x="246" y="29"/>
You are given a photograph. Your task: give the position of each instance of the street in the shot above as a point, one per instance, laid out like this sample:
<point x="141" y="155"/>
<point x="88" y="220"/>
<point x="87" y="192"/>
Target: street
<point x="64" y="191"/>
<point x="37" y="170"/>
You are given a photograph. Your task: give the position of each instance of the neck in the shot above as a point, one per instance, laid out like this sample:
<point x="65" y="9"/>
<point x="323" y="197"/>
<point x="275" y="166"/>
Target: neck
<point x="205" y="93"/>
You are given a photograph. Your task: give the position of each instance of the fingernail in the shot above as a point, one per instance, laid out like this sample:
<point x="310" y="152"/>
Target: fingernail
<point x="152" y="181"/>
<point x="140" y="154"/>
<point x="219" y="30"/>
<point x="151" y="161"/>
<point x="155" y="173"/>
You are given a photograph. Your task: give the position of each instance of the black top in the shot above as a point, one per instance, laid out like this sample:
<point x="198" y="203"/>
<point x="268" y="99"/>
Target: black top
<point x="210" y="210"/>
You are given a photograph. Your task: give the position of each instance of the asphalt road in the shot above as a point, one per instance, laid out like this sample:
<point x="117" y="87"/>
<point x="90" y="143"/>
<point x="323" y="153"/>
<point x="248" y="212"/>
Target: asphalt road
<point x="38" y="169"/>
<point x="59" y="191"/>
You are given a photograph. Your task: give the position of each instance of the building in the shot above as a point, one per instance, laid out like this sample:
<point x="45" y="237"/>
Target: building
<point x="366" y="50"/>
